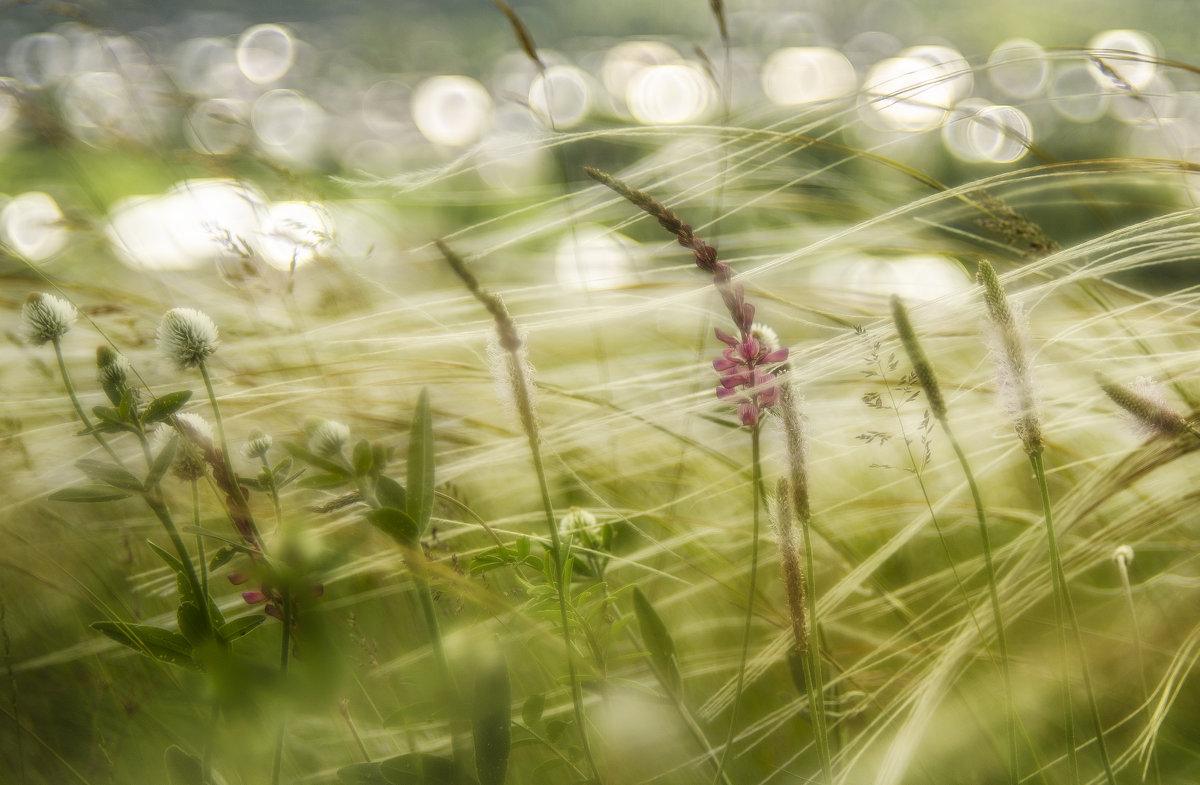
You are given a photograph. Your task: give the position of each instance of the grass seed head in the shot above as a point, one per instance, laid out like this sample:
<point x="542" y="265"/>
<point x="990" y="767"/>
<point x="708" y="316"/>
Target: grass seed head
<point x="1146" y="406"/>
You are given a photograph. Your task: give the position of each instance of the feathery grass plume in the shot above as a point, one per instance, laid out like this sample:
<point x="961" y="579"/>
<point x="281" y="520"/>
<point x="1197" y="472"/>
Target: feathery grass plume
<point x="187" y="337"/>
<point x="1014" y="380"/>
<point x="1145" y="403"/>
<point x="789" y="564"/>
<point x="509" y="340"/>
<point x="46" y="318"/>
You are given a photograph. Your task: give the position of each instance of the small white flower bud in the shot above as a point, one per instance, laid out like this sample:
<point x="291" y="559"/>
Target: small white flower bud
<point x="326" y="437"/>
<point x="577" y="520"/>
<point x="257" y="444"/>
<point x="46" y="317"/>
<point x="1123" y="555"/>
<point x="187" y="337"/>
<point x="112" y="369"/>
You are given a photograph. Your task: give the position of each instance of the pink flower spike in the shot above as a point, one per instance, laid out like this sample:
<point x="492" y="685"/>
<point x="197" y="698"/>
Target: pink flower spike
<point x="768" y="397"/>
<point x="747" y="314"/>
<point x="748" y="414"/>
<point x="725" y="392"/>
<point x="253" y="597"/>
<point x="751" y="348"/>
<point x="777" y="356"/>
<point x="725" y="363"/>
<point x="237" y="578"/>
<point x="734" y="380"/>
<point x="272" y="611"/>
<point x="725" y="337"/>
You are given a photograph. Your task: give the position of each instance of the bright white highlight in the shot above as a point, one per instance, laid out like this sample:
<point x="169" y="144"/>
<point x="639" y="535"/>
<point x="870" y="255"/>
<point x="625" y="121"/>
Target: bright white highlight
<point x="32" y="226"/>
<point x="669" y="94"/>
<point x="1018" y="67"/>
<point x="561" y="96"/>
<point x="593" y="257"/>
<point x="914" y="92"/>
<point x="804" y="75"/>
<point x="265" y="53"/>
<point x="1076" y="96"/>
<point x="1128" y="54"/>
<point x="452" y="110"/>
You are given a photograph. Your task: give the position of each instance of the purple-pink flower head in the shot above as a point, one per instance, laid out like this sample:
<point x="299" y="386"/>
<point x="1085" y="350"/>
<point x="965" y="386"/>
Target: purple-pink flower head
<point x="747" y="371"/>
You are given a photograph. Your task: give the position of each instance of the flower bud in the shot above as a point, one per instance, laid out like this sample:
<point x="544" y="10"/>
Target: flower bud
<point x="46" y="318"/>
<point x="187" y="337"/>
<point x="257" y="444"/>
<point x="326" y="437"/>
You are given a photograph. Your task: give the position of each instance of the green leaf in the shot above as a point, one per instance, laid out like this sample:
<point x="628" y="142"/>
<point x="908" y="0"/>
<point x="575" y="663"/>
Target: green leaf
<point x="491" y="719"/>
<point x="390" y="493"/>
<point x="182" y="769"/>
<point x="154" y="642"/>
<point x="363" y="458"/>
<point x="183" y="580"/>
<point x="164" y="406"/>
<point x="127" y="407"/>
<point x="79" y="494"/>
<point x="109" y="415"/>
<point x="361" y="774"/>
<point x="162" y="461"/>
<point x="421" y="769"/>
<point x="192" y="622"/>
<point x="239" y="627"/>
<point x="531" y="712"/>
<point x="395" y="524"/>
<point x="110" y="474"/>
<point x="420" y="464"/>
<point x="658" y="642"/>
<point x="312" y="459"/>
<point x="222" y="557"/>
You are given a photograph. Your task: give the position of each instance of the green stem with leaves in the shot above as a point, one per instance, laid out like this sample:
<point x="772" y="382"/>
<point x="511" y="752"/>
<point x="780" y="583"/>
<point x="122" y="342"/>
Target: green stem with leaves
<point x="83" y="418"/>
<point x="235" y="489"/>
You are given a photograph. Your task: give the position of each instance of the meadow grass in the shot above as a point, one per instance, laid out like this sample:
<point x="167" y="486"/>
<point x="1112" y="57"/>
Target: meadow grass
<point x="465" y="587"/>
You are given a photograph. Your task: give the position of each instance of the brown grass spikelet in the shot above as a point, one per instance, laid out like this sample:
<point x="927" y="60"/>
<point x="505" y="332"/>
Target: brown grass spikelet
<point x="916" y="355"/>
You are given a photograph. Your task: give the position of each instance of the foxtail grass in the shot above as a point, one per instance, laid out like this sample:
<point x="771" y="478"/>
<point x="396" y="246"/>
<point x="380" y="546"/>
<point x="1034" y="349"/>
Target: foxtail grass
<point x="937" y="405"/>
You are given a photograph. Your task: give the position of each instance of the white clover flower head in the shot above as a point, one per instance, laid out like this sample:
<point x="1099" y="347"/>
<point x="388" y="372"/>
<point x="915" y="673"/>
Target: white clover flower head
<point x="195" y="436"/>
<point x="577" y="520"/>
<point x="1123" y="555"/>
<point x="257" y="445"/>
<point x="187" y="337"/>
<point x="46" y="317"/>
<point x="326" y="437"/>
<point x="112" y="368"/>
<point x="765" y="335"/>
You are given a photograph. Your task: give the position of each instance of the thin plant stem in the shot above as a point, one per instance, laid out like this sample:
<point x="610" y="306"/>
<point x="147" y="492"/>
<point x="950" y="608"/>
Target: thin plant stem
<point x="83" y="418"/>
<point x="814" y="678"/>
<point x="756" y="470"/>
<point x="272" y="490"/>
<point x="344" y="708"/>
<point x="555" y="554"/>
<point x="203" y="599"/>
<point x="1064" y="606"/>
<point x="1123" y="567"/>
<point x="235" y="489"/>
<point x="285" y="647"/>
<point x="997" y="617"/>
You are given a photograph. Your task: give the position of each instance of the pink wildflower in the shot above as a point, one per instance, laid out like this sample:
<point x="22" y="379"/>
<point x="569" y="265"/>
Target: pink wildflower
<point x="747" y="371"/>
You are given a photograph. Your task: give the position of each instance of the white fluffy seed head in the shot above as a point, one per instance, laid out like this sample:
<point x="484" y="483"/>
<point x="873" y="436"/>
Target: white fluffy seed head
<point x="257" y="445"/>
<point x="326" y="437"/>
<point x="46" y="318"/>
<point x="765" y="335"/>
<point x="576" y="520"/>
<point x="187" y="337"/>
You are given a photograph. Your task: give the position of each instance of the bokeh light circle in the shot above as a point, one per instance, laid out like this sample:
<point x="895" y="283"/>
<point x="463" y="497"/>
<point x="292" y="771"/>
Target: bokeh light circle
<point x="561" y="95"/>
<point x="669" y="94"/>
<point x="452" y="110"/>
<point x="1128" y="57"/>
<point x="1018" y="67"/>
<point x="807" y="74"/>
<point x="32" y="226"/>
<point x="265" y="53"/>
